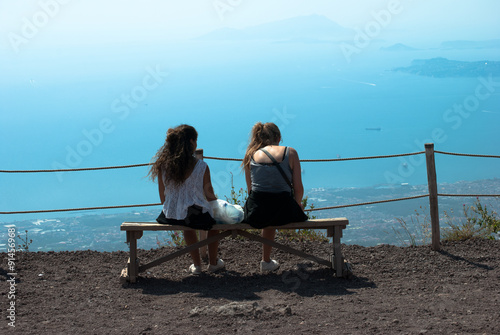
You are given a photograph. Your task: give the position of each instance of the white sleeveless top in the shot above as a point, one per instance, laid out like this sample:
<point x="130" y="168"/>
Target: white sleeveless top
<point x="179" y="198"/>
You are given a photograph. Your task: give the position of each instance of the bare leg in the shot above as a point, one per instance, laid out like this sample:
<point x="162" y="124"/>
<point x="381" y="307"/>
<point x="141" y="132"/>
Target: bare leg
<point x="213" y="248"/>
<point x="191" y="238"/>
<point x="266" y="249"/>
<point x="203" y="250"/>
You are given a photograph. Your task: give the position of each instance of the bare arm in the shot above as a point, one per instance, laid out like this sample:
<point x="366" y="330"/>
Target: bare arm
<point x="248" y="179"/>
<point x="298" y="188"/>
<point x="207" y="186"/>
<point x="161" y="187"/>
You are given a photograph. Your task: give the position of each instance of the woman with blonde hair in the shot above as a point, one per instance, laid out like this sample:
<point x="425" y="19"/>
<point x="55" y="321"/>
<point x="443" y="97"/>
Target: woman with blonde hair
<point x="185" y="190"/>
<point x="274" y="184"/>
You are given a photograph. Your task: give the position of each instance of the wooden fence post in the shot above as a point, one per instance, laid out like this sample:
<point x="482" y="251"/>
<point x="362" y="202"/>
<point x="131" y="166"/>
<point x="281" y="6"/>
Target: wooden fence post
<point x="203" y="233"/>
<point x="433" y="195"/>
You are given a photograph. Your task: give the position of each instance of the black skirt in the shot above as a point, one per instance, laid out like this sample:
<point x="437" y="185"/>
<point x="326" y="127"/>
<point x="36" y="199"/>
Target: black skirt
<point x="264" y="209"/>
<point x="195" y="219"/>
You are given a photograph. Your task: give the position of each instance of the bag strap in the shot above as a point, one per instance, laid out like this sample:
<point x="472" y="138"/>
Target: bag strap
<point x="275" y="162"/>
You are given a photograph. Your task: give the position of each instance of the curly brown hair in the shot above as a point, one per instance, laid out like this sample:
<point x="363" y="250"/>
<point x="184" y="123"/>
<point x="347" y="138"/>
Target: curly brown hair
<point x="263" y="134"/>
<point x="175" y="157"/>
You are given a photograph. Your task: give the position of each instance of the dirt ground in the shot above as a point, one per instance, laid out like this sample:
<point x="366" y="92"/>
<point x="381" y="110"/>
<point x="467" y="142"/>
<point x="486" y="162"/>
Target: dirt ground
<point x="394" y="291"/>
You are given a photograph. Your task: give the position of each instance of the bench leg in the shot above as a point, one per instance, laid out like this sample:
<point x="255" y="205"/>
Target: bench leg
<point x="133" y="266"/>
<point x="337" y="261"/>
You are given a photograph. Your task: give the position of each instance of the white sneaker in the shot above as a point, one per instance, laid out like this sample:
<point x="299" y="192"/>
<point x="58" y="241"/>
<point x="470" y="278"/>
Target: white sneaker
<point x="213" y="268"/>
<point x="194" y="270"/>
<point x="272" y="265"/>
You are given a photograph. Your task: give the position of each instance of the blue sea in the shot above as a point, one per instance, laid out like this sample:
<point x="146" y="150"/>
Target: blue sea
<point x="79" y="108"/>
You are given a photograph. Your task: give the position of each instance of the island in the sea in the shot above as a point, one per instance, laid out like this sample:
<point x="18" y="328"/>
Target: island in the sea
<point x="442" y="67"/>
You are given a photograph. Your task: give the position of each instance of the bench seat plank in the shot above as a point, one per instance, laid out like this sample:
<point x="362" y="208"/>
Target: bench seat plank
<point x="309" y="224"/>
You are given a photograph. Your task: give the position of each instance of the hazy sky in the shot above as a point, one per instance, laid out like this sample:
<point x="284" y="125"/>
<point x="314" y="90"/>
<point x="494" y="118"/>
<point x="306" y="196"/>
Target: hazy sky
<point x="86" y="22"/>
<point x="72" y="60"/>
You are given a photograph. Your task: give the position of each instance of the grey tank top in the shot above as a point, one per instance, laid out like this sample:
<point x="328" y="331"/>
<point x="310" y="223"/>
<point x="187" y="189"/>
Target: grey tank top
<point x="267" y="178"/>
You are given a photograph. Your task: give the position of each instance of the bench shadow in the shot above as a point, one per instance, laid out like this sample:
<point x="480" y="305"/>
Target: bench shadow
<point x="460" y="258"/>
<point x="237" y="287"/>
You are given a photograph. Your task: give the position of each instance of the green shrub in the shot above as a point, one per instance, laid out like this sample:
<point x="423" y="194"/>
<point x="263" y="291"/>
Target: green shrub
<point x="25" y="242"/>
<point x="484" y="218"/>
<point x="236" y="198"/>
<point x="475" y="223"/>
<point x="301" y="235"/>
<point x="305" y="203"/>
<point x="418" y="233"/>
<point x="176" y="240"/>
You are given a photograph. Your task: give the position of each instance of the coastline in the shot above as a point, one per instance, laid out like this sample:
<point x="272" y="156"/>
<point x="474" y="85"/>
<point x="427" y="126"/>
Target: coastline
<point x="369" y="225"/>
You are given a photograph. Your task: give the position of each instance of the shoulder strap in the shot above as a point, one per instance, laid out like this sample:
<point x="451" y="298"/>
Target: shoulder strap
<point x="278" y="166"/>
<point x="285" y="153"/>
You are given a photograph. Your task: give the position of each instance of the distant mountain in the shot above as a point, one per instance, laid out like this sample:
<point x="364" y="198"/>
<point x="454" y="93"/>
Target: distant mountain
<point x="309" y="28"/>
<point x="398" y="47"/>
<point x="225" y="34"/>
<point x="471" y="44"/>
<point x="304" y="40"/>
<point x="442" y="67"/>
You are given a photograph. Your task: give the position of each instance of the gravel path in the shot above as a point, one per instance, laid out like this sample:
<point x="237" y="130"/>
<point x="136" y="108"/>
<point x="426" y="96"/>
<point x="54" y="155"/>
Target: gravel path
<point x="394" y="291"/>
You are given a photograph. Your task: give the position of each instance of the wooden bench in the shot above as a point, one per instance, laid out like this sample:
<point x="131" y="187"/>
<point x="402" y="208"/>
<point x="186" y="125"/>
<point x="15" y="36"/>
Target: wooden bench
<point x="333" y="229"/>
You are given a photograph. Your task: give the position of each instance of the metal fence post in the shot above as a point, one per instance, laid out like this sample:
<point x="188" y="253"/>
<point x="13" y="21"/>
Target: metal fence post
<point x="433" y="195"/>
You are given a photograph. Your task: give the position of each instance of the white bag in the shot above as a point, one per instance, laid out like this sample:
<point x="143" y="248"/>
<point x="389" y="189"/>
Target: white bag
<point x="224" y="212"/>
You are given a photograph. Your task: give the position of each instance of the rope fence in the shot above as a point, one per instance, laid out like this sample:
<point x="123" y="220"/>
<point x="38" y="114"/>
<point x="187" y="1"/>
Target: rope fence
<point x="223" y="159"/>
<point x="204" y="157"/>
<point x="159" y="204"/>
<point x="328" y="159"/>
<point x="237" y="159"/>
<point x="466" y="155"/>
<point x="78" y="169"/>
<point x="78" y="209"/>
<point x="361" y="158"/>
<point x="468" y="195"/>
<point x="305" y="210"/>
<point x="367" y="203"/>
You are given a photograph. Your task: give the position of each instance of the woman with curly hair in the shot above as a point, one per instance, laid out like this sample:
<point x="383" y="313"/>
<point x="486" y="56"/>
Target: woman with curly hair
<point x="274" y="184"/>
<point x="185" y="190"/>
